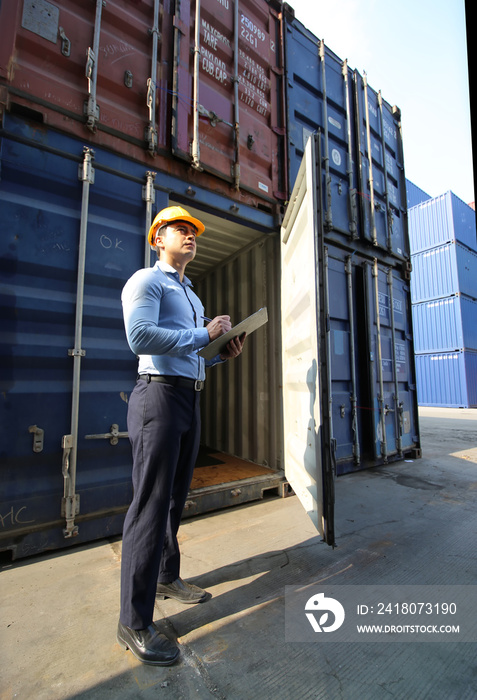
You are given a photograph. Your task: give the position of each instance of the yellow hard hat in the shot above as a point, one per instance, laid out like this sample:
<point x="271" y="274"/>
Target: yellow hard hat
<point x="173" y="214"/>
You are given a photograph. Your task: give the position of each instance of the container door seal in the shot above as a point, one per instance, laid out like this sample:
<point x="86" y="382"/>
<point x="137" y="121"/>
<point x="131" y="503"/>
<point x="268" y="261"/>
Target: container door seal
<point x="307" y="443"/>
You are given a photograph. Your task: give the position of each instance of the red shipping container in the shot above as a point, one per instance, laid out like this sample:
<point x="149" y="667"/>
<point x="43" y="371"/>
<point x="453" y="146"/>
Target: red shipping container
<point x="135" y="76"/>
<point x="228" y="92"/>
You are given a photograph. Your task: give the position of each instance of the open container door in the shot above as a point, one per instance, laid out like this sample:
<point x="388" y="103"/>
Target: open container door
<point x="308" y="446"/>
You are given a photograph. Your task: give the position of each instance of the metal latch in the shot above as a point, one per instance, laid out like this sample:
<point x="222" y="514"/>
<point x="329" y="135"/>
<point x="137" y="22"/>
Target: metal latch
<point x="38" y="435"/>
<point x="128" y="78"/>
<point x="70" y="505"/>
<point x="65" y="42"/>
<point x="113" y="435"/>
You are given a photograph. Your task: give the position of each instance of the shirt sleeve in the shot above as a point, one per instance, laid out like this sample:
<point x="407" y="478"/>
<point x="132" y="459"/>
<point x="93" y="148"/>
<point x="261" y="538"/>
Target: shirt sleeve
<point x="214" y="361"/>
<point x="141" y="300"/>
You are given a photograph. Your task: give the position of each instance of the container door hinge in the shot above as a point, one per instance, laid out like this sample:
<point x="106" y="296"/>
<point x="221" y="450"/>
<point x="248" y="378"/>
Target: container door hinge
<point x="70" y="505"/>
<point x="38" y="435"/>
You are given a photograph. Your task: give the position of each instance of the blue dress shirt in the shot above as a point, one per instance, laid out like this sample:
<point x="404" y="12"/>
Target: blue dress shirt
<point x="162" y="317"/>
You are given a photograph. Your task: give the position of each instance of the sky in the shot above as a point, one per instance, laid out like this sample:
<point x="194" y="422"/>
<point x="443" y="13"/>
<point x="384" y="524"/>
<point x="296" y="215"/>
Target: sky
<point x="415" y="52"/>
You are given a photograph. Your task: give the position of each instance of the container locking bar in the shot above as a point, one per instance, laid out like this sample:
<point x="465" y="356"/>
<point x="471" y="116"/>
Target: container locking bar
<point x="70" y="503"/>
<point x="382" y="408"/>
<point x="398" y="403"/>
<point x="326" y="157"/>
<point x="374" y="236"/>
<point x="151" y="130"/>
<point x="195" y="147"/>
<point x="352" y="351"/>
<point x="113" y="436"/>
<point x="148" y="196"/>
<point x="91" y="108"/>
<point x="352" y="192"/>
<point x="389" y="212"/>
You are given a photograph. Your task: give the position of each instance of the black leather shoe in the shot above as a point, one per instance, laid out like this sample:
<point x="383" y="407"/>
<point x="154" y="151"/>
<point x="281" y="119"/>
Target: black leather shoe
<point x="148" y="645"/>
<point x="182" y="591"/>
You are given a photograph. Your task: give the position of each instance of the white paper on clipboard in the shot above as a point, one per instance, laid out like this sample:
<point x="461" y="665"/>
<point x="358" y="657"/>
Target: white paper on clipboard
<point x="248" y="325"/>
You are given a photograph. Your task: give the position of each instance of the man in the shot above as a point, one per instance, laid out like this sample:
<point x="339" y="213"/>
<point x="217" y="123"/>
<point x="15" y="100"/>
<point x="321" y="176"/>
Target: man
<point x="164" y="327"/>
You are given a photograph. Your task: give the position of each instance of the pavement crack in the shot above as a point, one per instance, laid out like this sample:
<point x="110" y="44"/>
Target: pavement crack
<point x="191" y="659"/>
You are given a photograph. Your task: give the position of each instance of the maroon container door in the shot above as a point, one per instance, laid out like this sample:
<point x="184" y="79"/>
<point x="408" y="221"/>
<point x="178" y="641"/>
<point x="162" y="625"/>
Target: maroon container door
<point x="133" y="77"/>
<point x="92" y="69"/>
<point x="228" y="93"/>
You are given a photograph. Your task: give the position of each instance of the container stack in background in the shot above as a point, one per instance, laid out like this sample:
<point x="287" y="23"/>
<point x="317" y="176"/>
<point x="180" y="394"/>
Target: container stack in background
<point x="112" y="111"/>
<point x="442" y="233"/>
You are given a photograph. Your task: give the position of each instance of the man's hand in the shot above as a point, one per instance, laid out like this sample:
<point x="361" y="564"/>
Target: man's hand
<point x="218" y="326"/>
<point x="234" y="348"/>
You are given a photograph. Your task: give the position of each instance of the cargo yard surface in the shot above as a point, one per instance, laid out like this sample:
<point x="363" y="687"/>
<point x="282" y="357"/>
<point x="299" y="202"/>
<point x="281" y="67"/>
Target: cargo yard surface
<point x="403" y="523"/>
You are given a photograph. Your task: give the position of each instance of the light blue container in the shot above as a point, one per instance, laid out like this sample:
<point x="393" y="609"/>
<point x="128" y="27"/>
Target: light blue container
<point x="447" y="379"/>
<point x="440" y="220"/>
<point x="415" y="195"/>
<point x="442" y="271"/>
<point x="443" y="325"/>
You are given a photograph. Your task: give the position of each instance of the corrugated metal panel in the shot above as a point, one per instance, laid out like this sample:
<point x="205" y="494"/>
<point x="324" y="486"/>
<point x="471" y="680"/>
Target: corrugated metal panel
<point x="389" y="365"/>
<point x="381" y="179"/>
<point x="319" y="96"/>
<point x="444" y="325"/>
<point x="228" y="94"/>
<point x="42" y="206"/>
<point x="123" y="76"/>
<point x="241" y="408"/>
<point x="463" y="216"/>
<point x="442" y="271"/>
<point x="54" y="66"/>
<point x="447" y="379"/>
<point x="415" y="195"/>
<point x="364" y="197"/>
<point x="440" y="220"/>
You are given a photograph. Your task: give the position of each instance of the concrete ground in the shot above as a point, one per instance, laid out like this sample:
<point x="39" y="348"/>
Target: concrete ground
<point x="404" y="523"/>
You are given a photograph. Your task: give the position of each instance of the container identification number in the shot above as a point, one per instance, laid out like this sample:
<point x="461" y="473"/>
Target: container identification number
<point x="250" y="32"/>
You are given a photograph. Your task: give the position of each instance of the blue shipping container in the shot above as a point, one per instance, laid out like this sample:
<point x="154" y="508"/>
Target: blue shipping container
<point x="441" y="220"/>
<point x="381" y="179"/>
<point x="364" y="198"/>
<point x="43" y="410"/>
<point x="447" y="379"/>
<point x="74" y="232"/>
<point x="443" y="325"/>
<point x="390" y="361"/>
<point x="415" y="195"/>
<point x="442" y="271"/>
<point x="319" y="96"/>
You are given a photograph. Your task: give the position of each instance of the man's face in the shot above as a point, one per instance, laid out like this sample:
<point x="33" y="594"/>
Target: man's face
<point x="178" y="242"/>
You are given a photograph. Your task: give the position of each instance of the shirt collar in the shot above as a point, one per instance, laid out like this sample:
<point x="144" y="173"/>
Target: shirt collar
<point x="165" y="267"/>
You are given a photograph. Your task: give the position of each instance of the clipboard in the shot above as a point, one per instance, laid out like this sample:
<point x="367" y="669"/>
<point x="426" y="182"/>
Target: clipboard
<point x="248" y="325"/>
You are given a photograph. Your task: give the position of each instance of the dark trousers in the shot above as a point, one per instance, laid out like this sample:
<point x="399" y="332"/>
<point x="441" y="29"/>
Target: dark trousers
<point x="164" y="430"/>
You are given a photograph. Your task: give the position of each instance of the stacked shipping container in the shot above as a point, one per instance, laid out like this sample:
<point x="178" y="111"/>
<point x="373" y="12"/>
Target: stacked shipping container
<point x="366" y="256"/>
<point x="444" y="295"/>
<point x="111" y="112"/>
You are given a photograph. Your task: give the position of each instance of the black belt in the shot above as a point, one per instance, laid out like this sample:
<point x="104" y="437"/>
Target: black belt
<point x="184" y="382"/>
